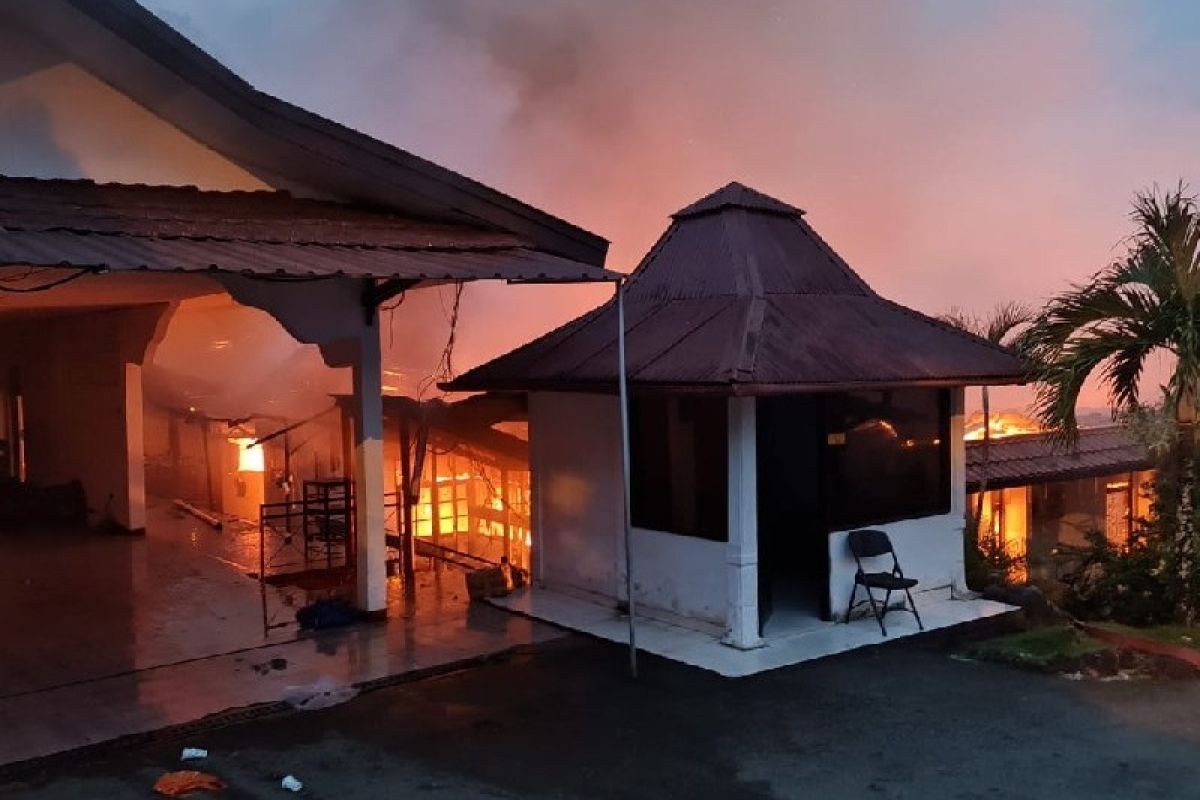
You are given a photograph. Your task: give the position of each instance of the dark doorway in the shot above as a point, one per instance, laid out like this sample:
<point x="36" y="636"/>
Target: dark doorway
<point x="793" y="549"/>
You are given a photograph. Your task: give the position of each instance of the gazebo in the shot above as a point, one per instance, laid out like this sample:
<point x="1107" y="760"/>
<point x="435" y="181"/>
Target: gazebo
<point x="776" y="403"/>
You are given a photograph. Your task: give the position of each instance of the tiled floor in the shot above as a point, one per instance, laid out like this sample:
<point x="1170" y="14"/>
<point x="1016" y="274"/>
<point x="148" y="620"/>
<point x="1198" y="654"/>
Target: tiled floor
<point x="806" y="641"/>
<point x="108" y="636"/>
<point x="81" y="604"/>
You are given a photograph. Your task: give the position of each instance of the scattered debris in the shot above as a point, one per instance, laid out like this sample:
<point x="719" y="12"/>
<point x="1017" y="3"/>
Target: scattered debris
<point x="190" y="753"/>
<point x="200" y="514"/>
<point x="274" y="665"/>
<point x="177" y="784"/>
<point x="291" y="783"/>
<point x="324" y="693"/>
<point x="487" y="582"/>
<point x="330" y="613"/>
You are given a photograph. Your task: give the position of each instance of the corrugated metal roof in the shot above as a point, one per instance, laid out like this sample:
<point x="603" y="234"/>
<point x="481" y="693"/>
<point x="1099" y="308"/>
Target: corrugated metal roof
<point x="132" y="50"/>
<point x="1038" y="458"/>
<point x="741" y="294"/>
<point x="166" y="228"/>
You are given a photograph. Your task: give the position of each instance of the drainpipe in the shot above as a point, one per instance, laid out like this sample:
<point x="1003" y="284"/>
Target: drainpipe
<point x="623" y="392"/>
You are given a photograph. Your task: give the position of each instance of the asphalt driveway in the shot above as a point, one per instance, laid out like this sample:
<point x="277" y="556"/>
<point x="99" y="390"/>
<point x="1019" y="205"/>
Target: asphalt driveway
<point x="904" y="720"/>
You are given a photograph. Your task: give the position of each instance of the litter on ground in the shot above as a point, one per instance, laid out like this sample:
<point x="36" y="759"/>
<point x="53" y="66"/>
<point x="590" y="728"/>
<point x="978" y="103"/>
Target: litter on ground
<point x="325" y="692"/>
<point x="177" y="784"/>
<point x="292" y="783"/>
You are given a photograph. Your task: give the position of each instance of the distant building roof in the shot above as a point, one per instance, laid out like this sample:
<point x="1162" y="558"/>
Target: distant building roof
<point x="741" y="295"/>
<point x="1038" y="458"/>
<point x="77" y="223"/>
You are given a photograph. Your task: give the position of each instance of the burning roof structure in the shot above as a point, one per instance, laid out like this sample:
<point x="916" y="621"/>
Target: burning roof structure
<point x="1039" y="458"/>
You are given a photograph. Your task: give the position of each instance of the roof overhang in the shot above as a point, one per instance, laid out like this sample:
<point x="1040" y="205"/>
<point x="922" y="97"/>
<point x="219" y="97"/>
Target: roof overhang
<point x="129" y="48"/>
<point x="1057" y="476"/>
<point x="724" y="389"/>
<point x="87" y="228"/>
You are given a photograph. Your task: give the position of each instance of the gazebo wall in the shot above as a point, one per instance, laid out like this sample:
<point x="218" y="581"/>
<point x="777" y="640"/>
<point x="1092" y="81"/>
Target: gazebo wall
<point x="930" y="549"/>
<point x="575" y="457"/>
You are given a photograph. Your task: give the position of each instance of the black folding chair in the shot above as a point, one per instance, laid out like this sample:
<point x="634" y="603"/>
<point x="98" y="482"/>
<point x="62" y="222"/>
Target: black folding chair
<point x="869" y="544"/>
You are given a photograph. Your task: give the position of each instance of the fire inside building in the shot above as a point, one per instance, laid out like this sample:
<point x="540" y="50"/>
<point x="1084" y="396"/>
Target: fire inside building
<point x="1044" y="499"/>
<point x="193" y="275"/>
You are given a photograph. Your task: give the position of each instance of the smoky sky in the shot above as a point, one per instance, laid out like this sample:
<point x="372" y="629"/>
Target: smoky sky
<point x="956" y="153"/>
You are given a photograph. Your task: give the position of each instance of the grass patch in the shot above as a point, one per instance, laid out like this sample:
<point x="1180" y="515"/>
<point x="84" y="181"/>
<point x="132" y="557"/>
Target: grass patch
<point x="1041" y="648"/>
<point x="1180" y="635"/>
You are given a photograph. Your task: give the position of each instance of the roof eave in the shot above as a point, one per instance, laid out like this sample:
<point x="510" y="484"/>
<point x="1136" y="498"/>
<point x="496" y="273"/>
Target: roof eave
<point x="467" y="383"/>
<point x="1011" y="482"/>
<point x="158" y="56"/>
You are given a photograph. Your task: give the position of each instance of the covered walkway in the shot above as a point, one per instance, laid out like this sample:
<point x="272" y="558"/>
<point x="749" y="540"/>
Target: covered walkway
<point x="163" y="629"/>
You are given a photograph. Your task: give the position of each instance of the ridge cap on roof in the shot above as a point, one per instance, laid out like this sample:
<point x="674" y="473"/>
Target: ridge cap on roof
<point x="737" y="195"/>
<point x="1059" y="448"/>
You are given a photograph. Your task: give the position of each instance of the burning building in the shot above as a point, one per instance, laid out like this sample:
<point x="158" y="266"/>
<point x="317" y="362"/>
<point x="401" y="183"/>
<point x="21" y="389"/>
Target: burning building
<point x="464" y="469"/>
<point x="150" y="193"/>
<point x="1042" y="494"/>
<point x="777" y="403"/>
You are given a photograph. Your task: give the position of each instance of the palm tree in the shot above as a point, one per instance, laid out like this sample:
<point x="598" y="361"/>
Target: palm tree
<point x="999" y="328"/>
<point x="1145" y="303"/>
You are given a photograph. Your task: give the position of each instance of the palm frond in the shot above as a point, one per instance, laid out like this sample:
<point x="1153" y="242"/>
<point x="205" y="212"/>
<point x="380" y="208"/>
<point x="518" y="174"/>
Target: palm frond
<point x="1108" y="326"/>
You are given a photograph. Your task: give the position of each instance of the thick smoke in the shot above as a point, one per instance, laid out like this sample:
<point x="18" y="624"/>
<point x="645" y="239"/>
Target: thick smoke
<point x="958" y="154"/>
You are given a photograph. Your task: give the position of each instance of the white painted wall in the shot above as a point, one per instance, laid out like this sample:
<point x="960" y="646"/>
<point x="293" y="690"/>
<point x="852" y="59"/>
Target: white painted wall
<point x="680" y="574"/>
<point x="575" y="455"/>
<point x="575" y="458"/>
<point x="930" y="549"/>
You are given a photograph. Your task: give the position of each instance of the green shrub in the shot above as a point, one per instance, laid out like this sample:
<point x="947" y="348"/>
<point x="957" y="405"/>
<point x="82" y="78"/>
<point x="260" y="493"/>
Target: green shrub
<point x="1131" y="585"/>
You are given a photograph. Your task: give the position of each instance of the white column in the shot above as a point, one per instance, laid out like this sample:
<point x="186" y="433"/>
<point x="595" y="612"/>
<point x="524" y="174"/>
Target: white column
<point x="958" y="485"/>
<point x="742" y="551"/>
<point x="371" y="556"/>
<point x="135" y="449"/>
<point x="958" y="452"/>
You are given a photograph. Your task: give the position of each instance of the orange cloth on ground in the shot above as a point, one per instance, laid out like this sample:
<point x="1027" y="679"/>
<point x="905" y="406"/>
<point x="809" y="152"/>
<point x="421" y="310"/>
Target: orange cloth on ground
<point x="176" y="784"/>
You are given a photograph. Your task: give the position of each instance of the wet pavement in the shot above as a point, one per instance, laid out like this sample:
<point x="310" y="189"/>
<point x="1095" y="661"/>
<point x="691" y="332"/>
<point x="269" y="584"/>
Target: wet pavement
<point x="82" y="605"/>
<point x="110" y="635"/>
<point x="900" y="721"/>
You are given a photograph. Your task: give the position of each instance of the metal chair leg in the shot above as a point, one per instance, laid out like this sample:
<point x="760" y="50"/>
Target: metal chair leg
<point x="850" y="605"/>
<point x="875" y="610"/>
<point x="913" y="607"/>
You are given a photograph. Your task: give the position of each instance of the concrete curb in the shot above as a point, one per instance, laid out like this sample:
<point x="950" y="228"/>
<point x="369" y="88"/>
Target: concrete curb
<point x="1133" y="642"/>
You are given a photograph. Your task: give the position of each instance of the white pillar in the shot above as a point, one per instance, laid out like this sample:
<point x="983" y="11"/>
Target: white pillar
<point x="958" y="452"/>
<point x="742" y="551"/>
<point x="958" y="485"/>
<point x="135" y="450"/>
<point x="371" y="555"/>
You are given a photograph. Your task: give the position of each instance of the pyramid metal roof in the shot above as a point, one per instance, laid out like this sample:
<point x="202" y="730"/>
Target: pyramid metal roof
<point x="741" y="295"/>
